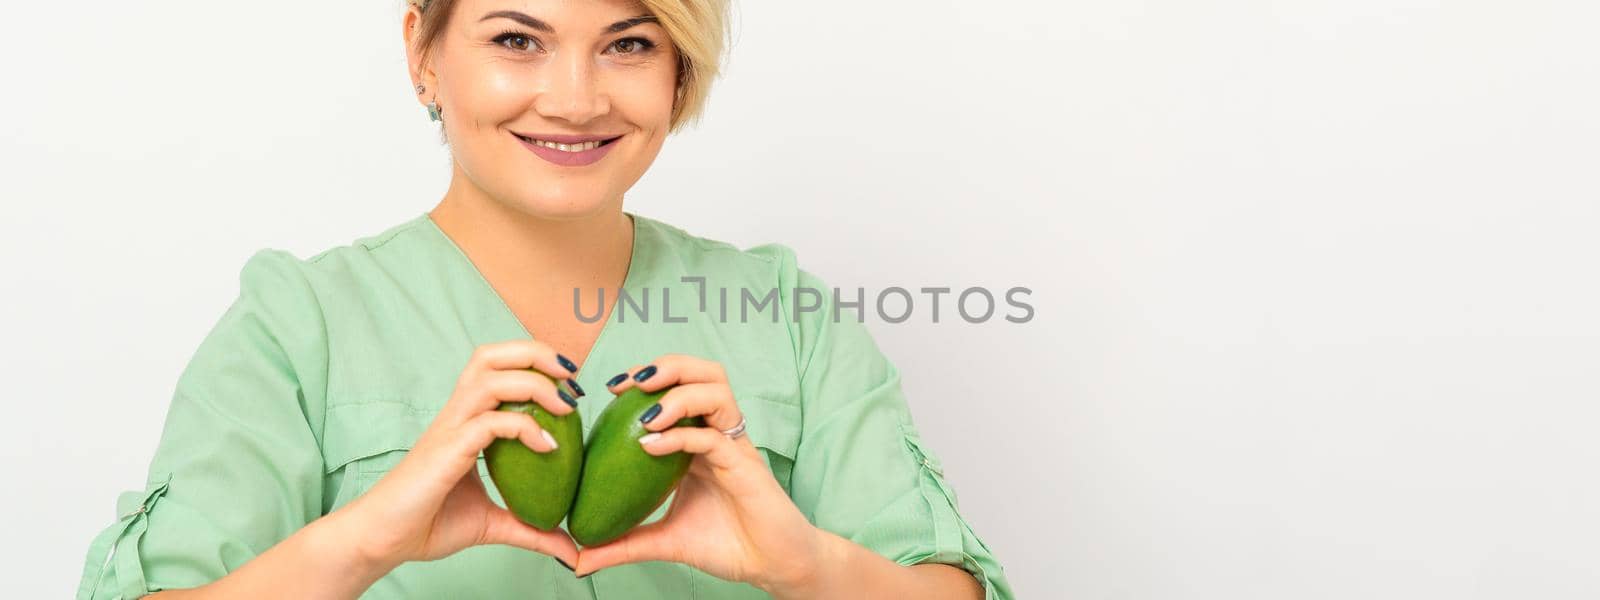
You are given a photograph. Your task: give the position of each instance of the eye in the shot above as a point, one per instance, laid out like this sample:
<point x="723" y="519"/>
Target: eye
<point x="516" y="41"/>
<point x="632" y="45"/>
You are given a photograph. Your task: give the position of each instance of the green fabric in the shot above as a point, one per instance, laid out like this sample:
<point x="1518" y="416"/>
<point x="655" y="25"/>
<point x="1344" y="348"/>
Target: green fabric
<point x="321" y="374"/>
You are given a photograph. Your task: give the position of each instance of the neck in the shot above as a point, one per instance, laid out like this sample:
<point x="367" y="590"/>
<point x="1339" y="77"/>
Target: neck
<point x="535" y="261"/>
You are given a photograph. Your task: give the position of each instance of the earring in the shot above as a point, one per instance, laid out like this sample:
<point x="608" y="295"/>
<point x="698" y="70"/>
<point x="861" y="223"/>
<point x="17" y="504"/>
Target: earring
<point x="434" y="114"/>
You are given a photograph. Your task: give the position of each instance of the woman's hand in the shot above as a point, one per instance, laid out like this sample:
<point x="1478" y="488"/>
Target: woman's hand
<point x="730" y="517"/>
<point x="433" y="503"/>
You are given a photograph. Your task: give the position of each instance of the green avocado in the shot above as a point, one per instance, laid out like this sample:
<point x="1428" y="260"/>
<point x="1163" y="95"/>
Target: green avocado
<point x="622" y="484"/>
<point x="538" y="487"/>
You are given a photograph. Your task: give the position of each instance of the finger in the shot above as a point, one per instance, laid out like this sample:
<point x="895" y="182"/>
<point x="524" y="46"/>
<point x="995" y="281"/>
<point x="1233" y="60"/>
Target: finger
<point x="714" y="401"/>
<point x="679" y="369"/>
<point x="622" y="381"/>
<point x="492" y="425"/>
<point x="513" y="355"/>
<point x="646" y="542"/>
<point x="521" y="354"/>
<point x="720" y="451"/>
<point x="504" y="528"/>
<point x="521" y="386"/>
<point x="494" y="387"/>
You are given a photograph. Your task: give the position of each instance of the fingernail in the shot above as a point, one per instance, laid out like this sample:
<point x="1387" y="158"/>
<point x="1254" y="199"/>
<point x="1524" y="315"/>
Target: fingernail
<point x="576" y="389"/>
<point x="618" y="379"/>
<point x="650" y="413"/>
<point x="644" y="373"/>
<point x="566" y="363"/>
<point x="567" y="398"/>
<point x="564" y="564"/>
<point x="550" y="439"/>
<point x="648" y="438"/>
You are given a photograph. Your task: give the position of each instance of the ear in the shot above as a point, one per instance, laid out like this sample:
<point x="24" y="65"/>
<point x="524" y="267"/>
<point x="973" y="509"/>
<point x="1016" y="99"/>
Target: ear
<point x="420" y="73"/>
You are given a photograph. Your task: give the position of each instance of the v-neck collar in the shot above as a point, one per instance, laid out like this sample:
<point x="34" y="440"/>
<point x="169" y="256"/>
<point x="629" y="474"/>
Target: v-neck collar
<point x="509" y="326"/>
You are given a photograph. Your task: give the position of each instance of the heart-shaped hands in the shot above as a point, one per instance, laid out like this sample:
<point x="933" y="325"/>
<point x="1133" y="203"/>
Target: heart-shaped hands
<point x="730" y="517"/>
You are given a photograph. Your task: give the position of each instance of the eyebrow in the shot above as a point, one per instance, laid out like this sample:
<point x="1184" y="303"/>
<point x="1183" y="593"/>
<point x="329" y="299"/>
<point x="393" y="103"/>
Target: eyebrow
<point x="626" y="23"/>
<point x="537" y="25"/>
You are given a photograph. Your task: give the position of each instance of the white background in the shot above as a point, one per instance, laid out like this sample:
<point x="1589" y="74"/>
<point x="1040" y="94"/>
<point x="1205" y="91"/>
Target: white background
<point x="1315" y="281"/>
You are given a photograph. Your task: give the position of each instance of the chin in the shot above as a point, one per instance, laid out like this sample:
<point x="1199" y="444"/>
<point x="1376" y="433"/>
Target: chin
<point x="560" y="201"/>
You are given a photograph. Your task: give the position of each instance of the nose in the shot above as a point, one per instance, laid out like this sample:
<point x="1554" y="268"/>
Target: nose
<point x="570" y="89"/>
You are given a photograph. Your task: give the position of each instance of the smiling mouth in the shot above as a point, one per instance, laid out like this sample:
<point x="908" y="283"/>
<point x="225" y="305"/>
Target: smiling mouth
<point x="567" y="147"/>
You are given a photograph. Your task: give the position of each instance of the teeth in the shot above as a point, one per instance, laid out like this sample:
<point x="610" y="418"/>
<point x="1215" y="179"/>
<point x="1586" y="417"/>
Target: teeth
<point x="567" y="147"/>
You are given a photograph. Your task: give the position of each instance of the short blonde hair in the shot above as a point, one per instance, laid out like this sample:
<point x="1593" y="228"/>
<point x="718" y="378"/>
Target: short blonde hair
<point x="698" y="28"/>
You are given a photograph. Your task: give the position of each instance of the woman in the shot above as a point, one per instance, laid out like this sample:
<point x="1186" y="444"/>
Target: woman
<point x="325" y="440"/>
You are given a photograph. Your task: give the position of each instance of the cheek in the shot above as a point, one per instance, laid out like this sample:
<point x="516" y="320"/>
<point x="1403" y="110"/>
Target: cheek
<point x="490" y="94"/>
<point x="503" y="83"/>
<point x="646" y="97"/>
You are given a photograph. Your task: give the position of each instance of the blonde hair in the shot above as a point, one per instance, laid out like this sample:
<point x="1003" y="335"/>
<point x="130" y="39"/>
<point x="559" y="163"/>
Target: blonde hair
<point x="698" y="29"/>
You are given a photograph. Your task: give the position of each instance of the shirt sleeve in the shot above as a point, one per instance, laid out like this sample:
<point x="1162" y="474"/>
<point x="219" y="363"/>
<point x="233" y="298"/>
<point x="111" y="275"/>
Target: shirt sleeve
<point x="238" y="467"/>
<point x="861" y="470"/>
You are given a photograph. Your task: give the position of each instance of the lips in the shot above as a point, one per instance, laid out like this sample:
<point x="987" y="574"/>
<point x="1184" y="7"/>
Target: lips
<point x="568" y="150"/>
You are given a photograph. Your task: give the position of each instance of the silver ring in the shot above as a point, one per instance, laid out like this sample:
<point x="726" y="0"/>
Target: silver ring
<point x="734" y="432"/>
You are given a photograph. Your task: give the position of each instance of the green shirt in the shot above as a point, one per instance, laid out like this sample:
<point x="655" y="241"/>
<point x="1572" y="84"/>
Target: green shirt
<point x="324" y="371"/>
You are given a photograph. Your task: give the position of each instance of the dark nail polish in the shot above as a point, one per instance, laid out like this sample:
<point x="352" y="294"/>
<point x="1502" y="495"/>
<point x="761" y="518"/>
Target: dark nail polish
<point x="564" y="564"/>
<point x="576" y="389"/>
<point x="644" y="373"/>
<point x="618" y="379"/>
<point x="650" y="413"/>
<point x="567" y="398"/>
<point x="566" y="363"/>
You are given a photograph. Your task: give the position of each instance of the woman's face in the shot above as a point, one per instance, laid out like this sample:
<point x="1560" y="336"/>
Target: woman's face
<point x="552" y="107"/>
